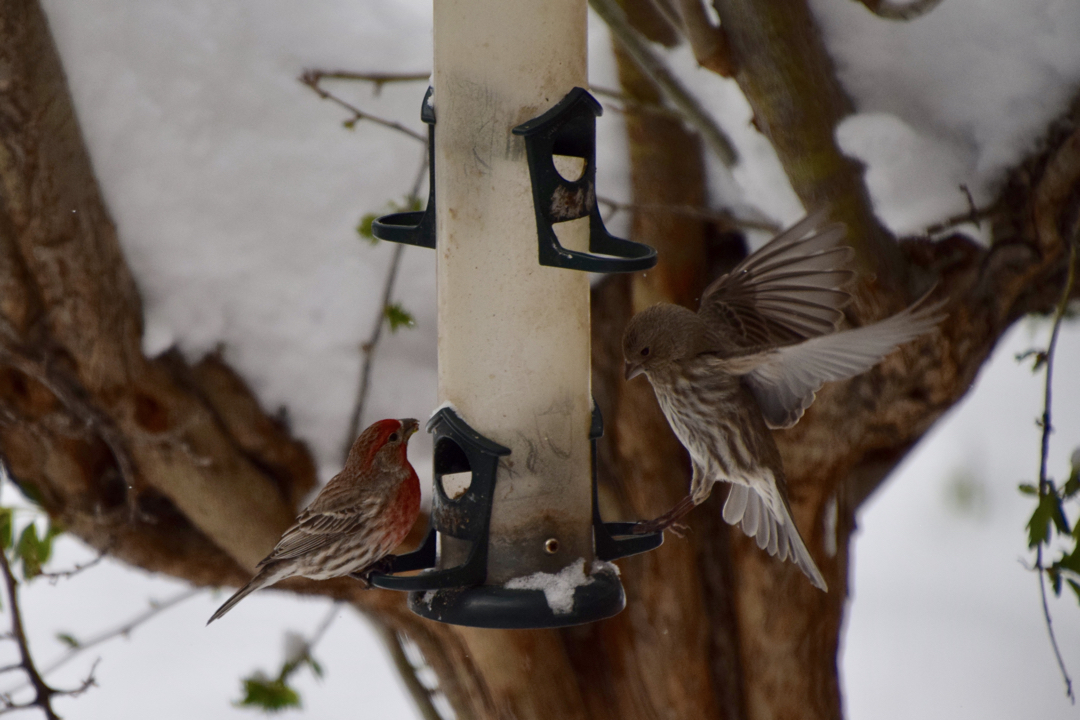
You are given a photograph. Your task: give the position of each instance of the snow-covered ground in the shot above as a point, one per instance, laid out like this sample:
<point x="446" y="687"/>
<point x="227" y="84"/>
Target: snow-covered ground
<point x="236" y="192"/>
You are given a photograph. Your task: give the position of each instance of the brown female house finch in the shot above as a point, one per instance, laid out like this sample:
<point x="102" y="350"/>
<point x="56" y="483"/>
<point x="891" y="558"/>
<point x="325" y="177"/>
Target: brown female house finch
<point x="752" y="358"/>
<point x="362" y="514"/>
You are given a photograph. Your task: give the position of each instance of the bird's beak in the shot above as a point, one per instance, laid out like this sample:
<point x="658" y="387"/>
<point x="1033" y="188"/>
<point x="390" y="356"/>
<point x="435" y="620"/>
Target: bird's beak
<point x="631" y="370"/>
<point x="408" y="427"/>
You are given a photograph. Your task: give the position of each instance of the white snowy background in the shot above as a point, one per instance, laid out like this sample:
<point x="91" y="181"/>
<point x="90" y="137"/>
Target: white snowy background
<point x="236" y="191"/>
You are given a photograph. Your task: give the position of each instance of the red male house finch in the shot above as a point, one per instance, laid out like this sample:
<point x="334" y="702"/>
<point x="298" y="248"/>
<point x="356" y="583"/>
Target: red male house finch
<point x="751" y="358"/>
<point x="362" y="514"/>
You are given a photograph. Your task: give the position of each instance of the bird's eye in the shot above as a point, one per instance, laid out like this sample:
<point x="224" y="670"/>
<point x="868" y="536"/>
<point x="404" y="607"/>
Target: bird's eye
<point x="394" y="437"/>
<point x="644" y="352"/>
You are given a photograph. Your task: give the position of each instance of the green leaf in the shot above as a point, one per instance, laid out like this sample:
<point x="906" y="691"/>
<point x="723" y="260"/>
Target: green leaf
<point x="1055" y="579"/>
<point x="398" y="317"/>
<point x="1049" y="510"/>
<point x="1072" y="485"/>
<point x="1075" y="587"/>
<point x="68" y="640"/>
<point x="364" y="228"/>
<point x="45" y="545"/>
<point x="316" y="668"/>
<point x="28" y="550"/>
<point x="1028" y="489"/>
<point x="270" y="695"/>
<point x="1070" y="561"/>
<point x="1038" y="526"/>
<point x="1039" y="355"/>
<point x="5" y="527"/>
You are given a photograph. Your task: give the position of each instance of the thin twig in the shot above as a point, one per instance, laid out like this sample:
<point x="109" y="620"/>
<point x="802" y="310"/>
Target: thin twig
<point x="637" y="45"/>
<point x="698" y="213"/>
<point x="323" y="626"/>
<point x="368" y="349"/>
<point x="421" y="695"/>
<point x="630" y="103"/>
<point x="294" y="662"/>
<point x="66" y="574"/>
<point x="42" y="692"/>
<point x="312" y="81"/>
<point x="1047" y="428"/>
<point x="974" y="215"/>
<point x="125" y="629"/>
<point x="378" y="79"/>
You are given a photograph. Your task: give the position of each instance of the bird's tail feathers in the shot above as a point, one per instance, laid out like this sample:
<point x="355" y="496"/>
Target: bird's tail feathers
<point x="777" y="535"/>
<point x="267" y="575"/>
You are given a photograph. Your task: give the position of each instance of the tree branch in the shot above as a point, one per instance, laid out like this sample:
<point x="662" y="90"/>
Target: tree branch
<point x="53" y="577"/>
<point x="369" y="347"/>
<point x="1044" y="449"/>
<point x="376" y="78"/>
<point x="311" y="79"/>
<point x="708" y="41"/>
<point x="890" y="10"/>
<point x="13" y="355"/>
<point x="42" y="693"/>
<point x="650" y="63"/>
<point x="368" y="350"/>
<point x="408" y="670"/>
<point x="721" y="217"/>
<point x="789" y="80"/>
<point x="630" y="104"/>
<point x="123" y="630"/>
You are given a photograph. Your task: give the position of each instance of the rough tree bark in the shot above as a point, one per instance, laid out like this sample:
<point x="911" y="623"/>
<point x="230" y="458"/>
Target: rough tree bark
<point x="175" y="468"/>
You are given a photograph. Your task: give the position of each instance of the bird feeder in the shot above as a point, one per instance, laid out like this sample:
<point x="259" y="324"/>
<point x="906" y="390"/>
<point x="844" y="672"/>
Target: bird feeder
<point x="516" y="539"/>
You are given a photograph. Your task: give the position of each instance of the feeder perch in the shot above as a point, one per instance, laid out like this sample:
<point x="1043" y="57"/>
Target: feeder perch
<point x="569" y="129"/>
<point x="418" y="227"/>
<point x="614" y="540"/>
<point x="461" y="518"/>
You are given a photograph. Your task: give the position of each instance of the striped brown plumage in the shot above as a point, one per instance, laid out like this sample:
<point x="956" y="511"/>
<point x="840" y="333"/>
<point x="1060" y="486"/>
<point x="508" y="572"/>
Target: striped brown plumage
<point x="355" y="521"/>
<point x="751" y="358"/>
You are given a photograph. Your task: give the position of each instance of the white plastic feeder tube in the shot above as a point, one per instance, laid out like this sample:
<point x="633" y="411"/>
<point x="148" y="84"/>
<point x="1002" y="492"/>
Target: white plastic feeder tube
<point x="514" y="354"/>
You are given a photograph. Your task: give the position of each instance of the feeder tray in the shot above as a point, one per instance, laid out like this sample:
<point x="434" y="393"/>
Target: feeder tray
<point x="457" y="595"/>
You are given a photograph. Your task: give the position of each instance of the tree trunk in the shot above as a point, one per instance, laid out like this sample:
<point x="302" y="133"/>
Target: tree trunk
<point x="176" y="469"/>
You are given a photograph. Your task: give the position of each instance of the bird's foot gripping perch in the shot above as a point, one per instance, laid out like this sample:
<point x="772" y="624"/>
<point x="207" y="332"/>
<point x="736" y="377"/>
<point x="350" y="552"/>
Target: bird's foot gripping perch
<point x="668" y="521"/>
<point x="376" y="568"/>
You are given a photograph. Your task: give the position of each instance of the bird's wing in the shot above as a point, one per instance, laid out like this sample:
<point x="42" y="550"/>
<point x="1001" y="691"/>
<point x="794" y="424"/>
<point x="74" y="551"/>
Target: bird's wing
<point x="316" y="529"/>
<point x="770" y="524"/>
<point x="786" y="291"/>
<point x="785" y="380"/>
